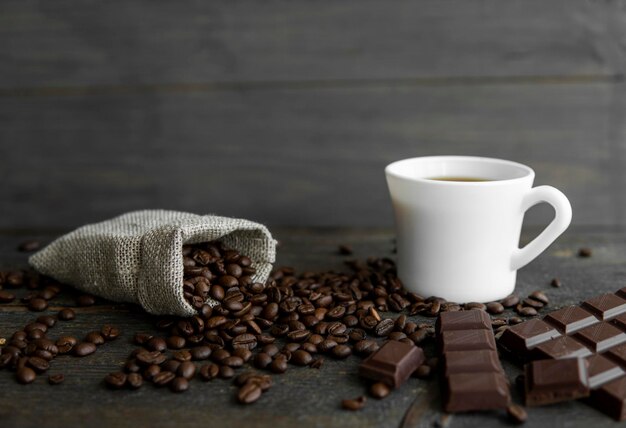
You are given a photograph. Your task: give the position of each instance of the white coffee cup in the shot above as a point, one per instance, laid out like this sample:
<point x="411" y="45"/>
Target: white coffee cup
<point x="459" y="239"/>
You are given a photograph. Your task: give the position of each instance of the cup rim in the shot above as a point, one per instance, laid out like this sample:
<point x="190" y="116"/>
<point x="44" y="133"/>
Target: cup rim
<point x="390" y="170"/>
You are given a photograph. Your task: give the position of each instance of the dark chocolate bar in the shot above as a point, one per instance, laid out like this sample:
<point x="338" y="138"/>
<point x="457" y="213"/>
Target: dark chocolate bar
<point x="472" y="374"/>
<point x="393" y="363"/>
<point x="553" y="381"/>
<point x="595" y="332"/>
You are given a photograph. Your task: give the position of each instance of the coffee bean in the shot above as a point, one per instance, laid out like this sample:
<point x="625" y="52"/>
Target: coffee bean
<point x="556" y="282"/>
<point x="299" y="335"/>
<point x="515" y="320"/>
<point x="301" y="358"/>
<point x="200" y="353"/>
<point x="83" y="349"/>
<point x="379" y="390"/>
<point x="175" y="342"/>
<point x="510" y="301"/>
<point x="418" y="336"/>
<point x="115" y="380"/>
<point x="245" y="340"/>
<point x="209" y="371"/>
<point x="109" y="332"/>
<point x="527" y="311"/>
<point x="6" y="296"/>
<point x="94" y="337"/>
<point x="584" y="252"/>
<point x="66" y="314"/>
<point x="56" y="379"/>
<point x="38" y="304"/>
<point x="134" y="380"/>
<point x="249" y="393"/>
<point x="40" y="365"/>
<point x="25" y="375"/>
<point x="29" y="246"/>
<point x="422" y="371"/>
<point x="517" y="414"/>
<point x="65" y="344"/>
<point x="317" y="363"/>
<point x="179" y="384"/>
<point x="279" y="365"/>
<point x="163" y="378"/>
<point x="498" y="322"/>
<point x="226" y="372"/>
<point x="384" y="327"/>
<point x="86" y="300"/>
<point x="474" y="306"/>
<point x="366" y="347"/>
<point x="341" y="351"/>
<point x="47" y="320"/>
<point x="539" y="296"/>
<point x="345" y="250"/>
<point x="532" y="303"/>
<point x="150" y="372"/>
<point x="262" y="360"/>
<point x="495" y="308"/>
<point x="354" y="404"/>
<point x="187" y="370"/>
<point x="233" y="361"/>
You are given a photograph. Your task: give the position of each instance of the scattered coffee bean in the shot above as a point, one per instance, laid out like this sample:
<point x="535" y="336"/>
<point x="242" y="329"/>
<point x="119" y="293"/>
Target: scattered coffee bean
<point x="115" y="380"/>
<point x="423" y="371"/>
<point x="249" y="393"/>
<point x="47" y="320"/>
<point x="109" y="332"/>
<point x="301" y="358"/>
<point x="86" y="300"/>
<point x="83" y="349"/>
<point x="37" y="304"/>
<point x="510" y="301"/>
<point x="475" y="306"/>
<point x="341" y="351"/>
<point x="66" y="314"/>
<point x="163" y="378"/>
<point x="527" y="311"/>
<point x="539" y="296"/>
<point x="56" y="379"/>
<point x="354" y="404"/>
<point x="29" y="246"/>
<point x="532" y="303"/>
<point x="345" y="250"/>
<point x="179" y="384"/>
<point x="495" y="308"/>
<point x="556" y="282"/>
<point x="517" y="413"/>
<point x="134" y="380"/>
<point x="209" y="371"/>
<point x="25" y="375"/>
<point x="584" y="252"/>
<point x="317" y="363"/>
<point x="379" y="390"/>
<point x="6" y="296"/>
<point x="94" y="337"/>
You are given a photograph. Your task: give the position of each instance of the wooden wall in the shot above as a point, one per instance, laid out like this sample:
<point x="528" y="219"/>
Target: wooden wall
<point x="286" y="112"/>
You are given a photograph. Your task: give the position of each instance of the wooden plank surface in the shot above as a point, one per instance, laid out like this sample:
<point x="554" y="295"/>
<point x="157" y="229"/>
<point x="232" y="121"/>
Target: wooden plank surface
<point x="295" y="157"/>
<point x="69" y="43"/>
<point x="302" y="397"/>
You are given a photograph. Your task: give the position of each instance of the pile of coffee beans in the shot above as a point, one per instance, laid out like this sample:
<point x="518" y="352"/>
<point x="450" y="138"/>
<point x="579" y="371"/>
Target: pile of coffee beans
<point x="290" y="320"/>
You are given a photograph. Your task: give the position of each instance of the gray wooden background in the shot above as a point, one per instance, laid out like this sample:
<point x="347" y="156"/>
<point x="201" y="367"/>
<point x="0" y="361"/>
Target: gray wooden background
<point x="286" y="112"/>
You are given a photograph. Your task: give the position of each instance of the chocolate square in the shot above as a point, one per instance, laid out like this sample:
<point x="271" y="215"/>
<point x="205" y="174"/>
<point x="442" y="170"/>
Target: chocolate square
<point x="469" y="392"/>
<point x="620" y="321"/>
<point x="393" y="363"/>
<point x="463" y="320"/>
<point x="570" y="319"/>
<point x="611" y="399"/>
<point x="471" y="362"/>
<point x="561" y="347"/>
<point x="618" y="354"/>
<point x="606" y="306"/>
<point x="467" y="340"/>
<point x="553" y="381"/>
<point x="600" y="337"/>
<point x="602" y="370"/>
<point x="519" y="338"/>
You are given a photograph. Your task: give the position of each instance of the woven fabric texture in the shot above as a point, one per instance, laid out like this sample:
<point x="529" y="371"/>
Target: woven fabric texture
<point x="137" y="257"/>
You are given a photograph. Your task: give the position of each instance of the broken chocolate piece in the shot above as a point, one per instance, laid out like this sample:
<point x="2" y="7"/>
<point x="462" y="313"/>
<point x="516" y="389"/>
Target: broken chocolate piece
<point x="393" y="363"/>
<point x="553" y="381"/>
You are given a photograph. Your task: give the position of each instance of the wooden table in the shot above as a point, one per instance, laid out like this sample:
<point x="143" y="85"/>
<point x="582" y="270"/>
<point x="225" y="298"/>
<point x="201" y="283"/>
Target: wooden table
<point x="302" y="397"/>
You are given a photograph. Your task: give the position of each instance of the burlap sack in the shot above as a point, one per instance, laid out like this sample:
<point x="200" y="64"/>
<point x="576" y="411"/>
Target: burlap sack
<point x="137" y="257"/>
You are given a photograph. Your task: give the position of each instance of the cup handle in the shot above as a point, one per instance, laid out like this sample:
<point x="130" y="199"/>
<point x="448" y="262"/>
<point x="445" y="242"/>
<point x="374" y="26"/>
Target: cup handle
<point x="562" y="218"/>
